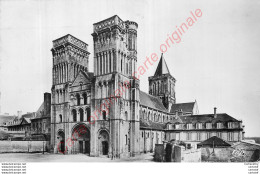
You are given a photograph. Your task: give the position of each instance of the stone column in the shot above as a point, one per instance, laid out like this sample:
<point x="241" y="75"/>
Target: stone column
<point x="78" y="116"/>
<point x="63" y="73"/>
<point x="103" y="63"/>
<point x="108" y="62"/>
<point x="100" y="63"/>
<point x="55" y="78"/>
<point x="67" y="75"/>
<point x="58" y="74"/>
<point x="95" y="65"/>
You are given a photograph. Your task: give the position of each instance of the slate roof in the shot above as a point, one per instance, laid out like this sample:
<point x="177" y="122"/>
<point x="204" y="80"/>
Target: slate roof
<point x="152" y="125"/>
<point x="39" y="112"/>
<point x="29" y="115"/>
<point x="246" y="145"/>
<point x="218" y="142"/>
<point x="174" y="120"/>
<point x="185" y="107"/>
<point x="151" y="101"/>
<point x="162" y="68"/>
<point x="6" y="118"/>
<point x="222" y="117"/>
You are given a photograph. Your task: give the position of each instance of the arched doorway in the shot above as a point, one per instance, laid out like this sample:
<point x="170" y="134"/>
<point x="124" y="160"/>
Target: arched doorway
<point x="103" y="139"/>
<point x="81" y="139"/>
<point x="61" y="141"/>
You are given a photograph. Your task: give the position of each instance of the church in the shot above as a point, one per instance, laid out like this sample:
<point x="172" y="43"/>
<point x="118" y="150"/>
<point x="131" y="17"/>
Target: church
<point x="104" y="113"/>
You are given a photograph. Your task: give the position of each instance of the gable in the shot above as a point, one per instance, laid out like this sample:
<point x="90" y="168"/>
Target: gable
<point x="25" y="121"/>
<point x="81" y="78"/>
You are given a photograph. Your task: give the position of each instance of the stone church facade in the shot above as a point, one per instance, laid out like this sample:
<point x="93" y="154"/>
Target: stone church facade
<point x="104" y="113"/>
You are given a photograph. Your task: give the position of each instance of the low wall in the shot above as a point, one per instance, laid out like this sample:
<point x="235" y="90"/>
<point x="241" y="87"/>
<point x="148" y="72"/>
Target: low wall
<point x="23" y="146"/>
<point x="176" y="153"/>
<point x="220" y="154"/>
<point x="191" y="155"/>
<point x="229" y="154"/>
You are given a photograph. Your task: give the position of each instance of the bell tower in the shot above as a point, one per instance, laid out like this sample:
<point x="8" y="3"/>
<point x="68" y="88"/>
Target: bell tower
<point x="70" y="55"/>
<point x="116" y="92"/>
<point x="162" y="84"/>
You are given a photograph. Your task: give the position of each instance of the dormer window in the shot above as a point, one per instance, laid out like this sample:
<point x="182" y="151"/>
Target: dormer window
<point x="171" y="126"/>
<point x="208" y="125"/>
<point x="219" y="125"/>
<point x="177" y="126"/>
<point x="230" y="125"/>
<point x="189" y="126"/>
<point x="199" y="126"/>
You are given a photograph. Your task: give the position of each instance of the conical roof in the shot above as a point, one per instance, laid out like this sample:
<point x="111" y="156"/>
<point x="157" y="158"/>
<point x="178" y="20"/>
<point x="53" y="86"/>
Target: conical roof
<point x="214" y="141"/>
<point x="162" y="67"/>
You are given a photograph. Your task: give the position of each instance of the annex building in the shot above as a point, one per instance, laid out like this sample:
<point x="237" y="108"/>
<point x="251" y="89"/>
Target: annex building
<point x="104" y="113"/>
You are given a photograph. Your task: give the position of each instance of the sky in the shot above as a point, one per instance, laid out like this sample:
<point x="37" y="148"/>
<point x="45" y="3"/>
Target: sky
<point x="216" y="63"/>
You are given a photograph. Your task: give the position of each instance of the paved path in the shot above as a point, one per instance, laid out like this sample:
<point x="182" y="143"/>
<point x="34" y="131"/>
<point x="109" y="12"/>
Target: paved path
<point x="38" y="157"/>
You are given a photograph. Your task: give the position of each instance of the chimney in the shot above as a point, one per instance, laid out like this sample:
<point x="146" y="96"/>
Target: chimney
<point x="215" y="112"/>
<point x="47" y="103"/>
<point x="19" y="113"/>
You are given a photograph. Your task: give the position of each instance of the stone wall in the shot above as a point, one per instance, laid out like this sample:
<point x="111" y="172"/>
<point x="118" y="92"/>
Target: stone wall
<point x="220" y="154"/>
<point x="186" y="155"/>
<point x="176" y="153"/>
<point x="23" y="146"/>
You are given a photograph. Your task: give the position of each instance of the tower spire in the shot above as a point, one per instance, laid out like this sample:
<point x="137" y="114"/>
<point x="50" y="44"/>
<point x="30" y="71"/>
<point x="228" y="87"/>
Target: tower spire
<point x="162" y="67"/>
<point x="162" y="84"/>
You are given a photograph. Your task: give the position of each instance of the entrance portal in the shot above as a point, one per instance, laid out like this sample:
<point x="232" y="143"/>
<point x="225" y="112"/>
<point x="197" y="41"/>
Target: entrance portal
<point x="87" y="147"/>
<point x="81" y="138"/>
<point x="61" y="142"/>
<point x="103" y="140"/>
<point x="105" y="147"/>
<point x="80" y="146"/>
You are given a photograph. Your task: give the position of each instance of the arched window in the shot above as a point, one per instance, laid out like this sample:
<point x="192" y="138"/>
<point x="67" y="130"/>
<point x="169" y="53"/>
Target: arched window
<point x="101" y="65"/>
<point x="60" y="118"/>
<point x="85" y="98"/>
<point x="110" y="64"/>
<point x="81" y="114"/>
<point x="158" y="88"/>
<point x="149" y="116"/>
<point x="126" y="68"/>
<point x="78" y="99"/>
<point x="104" y="114"/>
<point x="154" y="117"/>
<point x="74" y="115"/>
<point x="88" y="114"/>
<point x="121" y="65"/>
<point x="126" y="116"/>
